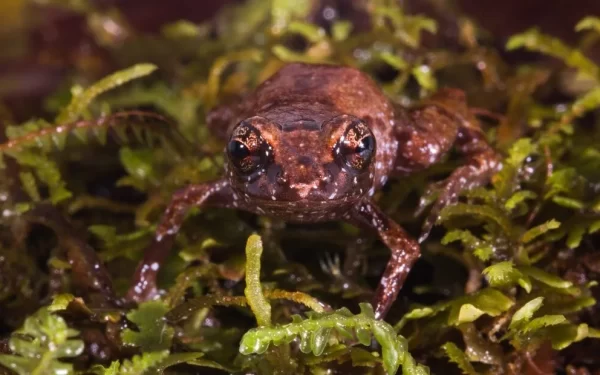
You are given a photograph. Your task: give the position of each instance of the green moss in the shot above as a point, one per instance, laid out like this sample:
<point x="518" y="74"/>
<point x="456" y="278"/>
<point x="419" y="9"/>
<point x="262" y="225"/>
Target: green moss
<point x="98" y="170"/>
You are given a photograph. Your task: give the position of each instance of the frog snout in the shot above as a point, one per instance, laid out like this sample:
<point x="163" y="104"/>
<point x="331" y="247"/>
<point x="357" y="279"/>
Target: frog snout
<point x="305" y="161"/>
<point x="306" y="168"/>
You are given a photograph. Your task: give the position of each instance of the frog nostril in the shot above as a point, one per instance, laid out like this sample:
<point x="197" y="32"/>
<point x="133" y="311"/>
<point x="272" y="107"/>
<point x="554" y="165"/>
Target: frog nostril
<point x="282" y="178"/>
<point x="276" y="174"/>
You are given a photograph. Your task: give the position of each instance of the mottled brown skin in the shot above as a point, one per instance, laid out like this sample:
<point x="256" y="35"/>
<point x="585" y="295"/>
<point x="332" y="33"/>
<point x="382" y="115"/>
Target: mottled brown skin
<point x="313" y="143"/>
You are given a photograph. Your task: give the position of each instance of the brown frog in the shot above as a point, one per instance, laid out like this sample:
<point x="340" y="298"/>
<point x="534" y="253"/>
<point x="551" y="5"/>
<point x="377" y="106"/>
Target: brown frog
<point x="313" y="143"/>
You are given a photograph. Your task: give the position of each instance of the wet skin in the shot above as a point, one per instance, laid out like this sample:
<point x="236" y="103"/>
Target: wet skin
<point x="313" y="143"/>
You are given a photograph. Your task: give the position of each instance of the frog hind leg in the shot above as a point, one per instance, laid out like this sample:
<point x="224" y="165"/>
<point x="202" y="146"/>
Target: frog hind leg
<point x="427" y="132"/>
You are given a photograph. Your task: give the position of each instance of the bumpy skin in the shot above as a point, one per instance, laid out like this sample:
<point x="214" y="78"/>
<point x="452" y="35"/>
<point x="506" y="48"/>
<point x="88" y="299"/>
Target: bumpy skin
<point x="313" y="143"/>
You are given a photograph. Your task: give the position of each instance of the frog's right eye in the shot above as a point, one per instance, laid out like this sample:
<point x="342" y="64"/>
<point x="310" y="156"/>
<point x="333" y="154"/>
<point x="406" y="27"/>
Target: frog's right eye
<point x="247" y="151"/>
<point x="237" y="150"/>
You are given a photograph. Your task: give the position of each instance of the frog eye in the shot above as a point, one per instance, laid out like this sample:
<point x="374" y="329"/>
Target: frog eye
<point x="241" y="157"/>
<point x="247" y="151"/>
<point x="356" y="147"/>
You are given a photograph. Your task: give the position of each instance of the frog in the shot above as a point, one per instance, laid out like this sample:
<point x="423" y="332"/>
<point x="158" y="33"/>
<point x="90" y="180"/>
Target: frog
<point x="313" y="143"/>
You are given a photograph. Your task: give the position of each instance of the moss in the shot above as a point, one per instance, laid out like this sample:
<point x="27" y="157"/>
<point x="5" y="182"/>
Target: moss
<point x="508" y="277"/>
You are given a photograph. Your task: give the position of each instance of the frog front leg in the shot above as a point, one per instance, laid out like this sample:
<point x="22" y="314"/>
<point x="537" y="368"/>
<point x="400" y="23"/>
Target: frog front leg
<point x="404" y="249"/>
<point x="218" y="193"/>
<point x="427" y="132"/>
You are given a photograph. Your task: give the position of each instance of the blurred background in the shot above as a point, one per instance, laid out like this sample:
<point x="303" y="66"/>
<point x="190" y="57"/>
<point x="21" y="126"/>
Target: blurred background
<point x="43" y="40"/>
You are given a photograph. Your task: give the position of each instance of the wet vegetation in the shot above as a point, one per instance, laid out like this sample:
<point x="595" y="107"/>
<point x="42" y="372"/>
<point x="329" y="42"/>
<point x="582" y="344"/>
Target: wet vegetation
<point x="507" y="283"/>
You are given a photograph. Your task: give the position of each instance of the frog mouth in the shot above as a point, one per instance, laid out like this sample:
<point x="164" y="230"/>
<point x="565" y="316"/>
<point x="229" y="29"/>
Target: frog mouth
<point x="303" y="190"/>
<point x="304" y="198"/>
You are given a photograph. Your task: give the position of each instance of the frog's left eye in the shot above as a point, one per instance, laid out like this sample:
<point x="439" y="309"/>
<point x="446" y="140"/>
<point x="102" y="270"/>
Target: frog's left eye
<point x="356" y="147"/>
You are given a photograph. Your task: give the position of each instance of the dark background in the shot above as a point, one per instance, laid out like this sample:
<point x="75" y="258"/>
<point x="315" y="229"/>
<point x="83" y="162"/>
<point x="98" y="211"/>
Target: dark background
<point x="38" y="45"/>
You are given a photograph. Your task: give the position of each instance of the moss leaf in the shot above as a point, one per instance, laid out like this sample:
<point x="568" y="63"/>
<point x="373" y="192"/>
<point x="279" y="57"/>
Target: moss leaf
<point x="487" y="301"/>
<point x="144" y="364"/>
<point x="81" y="101"/>
<point x="539" y="230"/>
<point x="541" y="322"/>
<point x="589" y="23"/>
<point x="459" y="357"/>
<point x="153" y="333"/>
<point x="39" y="345"/>
<point x="480" y="248"/>
<point x="60" y="302"/>
<point x="565" y="334"/>
<point x="319" y="326"/>
<point x="519" y="197"/>
<point x="545" y="277"/>
<point x="534" y="40"/>
<point x="504" y="274"/>
<point x="525" y="313"/>
<point x="484" y="212"/>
